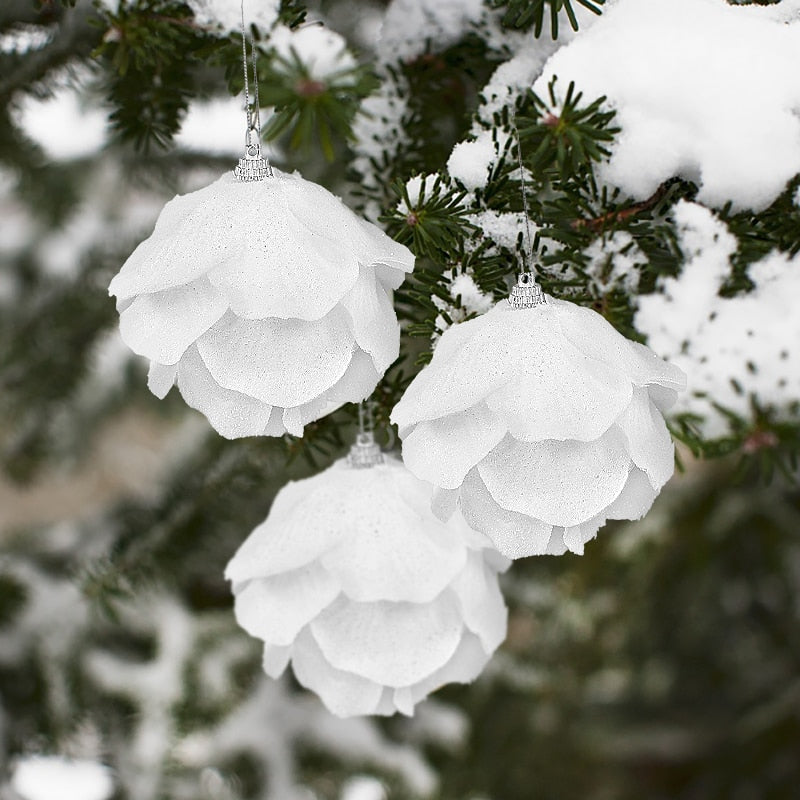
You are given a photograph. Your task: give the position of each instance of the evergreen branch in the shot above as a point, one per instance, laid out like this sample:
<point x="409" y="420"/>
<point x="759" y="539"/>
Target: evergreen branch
<point x="527" y="14"/>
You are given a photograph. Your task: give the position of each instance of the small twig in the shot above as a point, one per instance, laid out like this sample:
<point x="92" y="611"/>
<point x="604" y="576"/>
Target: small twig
<point x="598" y="223"/>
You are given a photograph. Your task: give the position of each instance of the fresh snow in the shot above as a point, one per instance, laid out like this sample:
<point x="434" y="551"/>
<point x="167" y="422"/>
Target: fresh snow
<point x="59" y="778"/>
<point x="730" y="348"/>
<point x="702" y="89"/>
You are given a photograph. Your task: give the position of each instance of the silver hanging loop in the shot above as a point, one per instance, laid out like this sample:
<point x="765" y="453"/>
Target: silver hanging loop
<point x="527" y="293"/>
<point x="253" y="167"/>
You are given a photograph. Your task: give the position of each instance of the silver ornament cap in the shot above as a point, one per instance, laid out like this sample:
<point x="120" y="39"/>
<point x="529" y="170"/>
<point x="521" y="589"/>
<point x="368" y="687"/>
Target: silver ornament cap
<point x="253" y="167"/>
<point x="365" y="452"/>
<point x="527" y="293"/>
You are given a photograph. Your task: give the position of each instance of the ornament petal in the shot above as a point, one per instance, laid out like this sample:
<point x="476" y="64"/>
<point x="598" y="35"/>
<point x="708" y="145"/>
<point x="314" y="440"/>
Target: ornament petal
<point x="161" y="378"/>
<point x="481" y="602"/>
<point x="163" y="260"/>
<point x="466" y="664"/>
<point x="561" y="483"/>
<point x="648" y="440"/>
<point x="275" y="659"/>
<point x="314" y="273"/>
<point x="578" y="535"/>
<point x="319" y="210"/>
<point x="372" y="320"/>
<point x="281" y="362"/>
<point x="513" y="534"/>
<point x="597" y="338"/>
<point x="403" y="559"/>
<point x="396" y="644"/>
<point x="161" y="326"/>
<point x="343" y="693"/>
<point x="443" y="451"/>
<point x="277" y="608"/>
<point x="444" y="503"/>
<point x="635" y="499"/>
<point x="231" y="413"/>
<point x="561" y="396"/>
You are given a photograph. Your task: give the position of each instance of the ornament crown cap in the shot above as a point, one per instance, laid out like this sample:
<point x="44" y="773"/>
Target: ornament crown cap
<point x="527" y="293"/>
<point x="365" y="452"/>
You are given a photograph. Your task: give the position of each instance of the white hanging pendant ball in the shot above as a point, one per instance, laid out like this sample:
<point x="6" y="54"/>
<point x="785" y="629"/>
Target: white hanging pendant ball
<point x="373" y="600"/>
<point x="266" y="299"/>
<point x="541" y="422"/>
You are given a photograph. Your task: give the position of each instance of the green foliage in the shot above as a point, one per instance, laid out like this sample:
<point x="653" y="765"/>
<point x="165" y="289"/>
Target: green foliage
<point x="565" y="137"/>
<point x="434" y="223"/>
<point x="312" y="110"/>
<point x="524" y="14"/>
<point x="151" y="46"/>
<point x="13" y="596"/>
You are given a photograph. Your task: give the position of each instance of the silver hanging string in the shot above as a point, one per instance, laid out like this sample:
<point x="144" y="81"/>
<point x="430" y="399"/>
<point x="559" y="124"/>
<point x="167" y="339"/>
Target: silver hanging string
<point x="253" y="167"/>
<point x="528" y="254"/>
<point x="527" y="293"/>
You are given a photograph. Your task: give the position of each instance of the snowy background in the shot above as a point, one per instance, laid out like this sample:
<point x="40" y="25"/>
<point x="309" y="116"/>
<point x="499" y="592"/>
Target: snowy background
<point x="664" y="664"/>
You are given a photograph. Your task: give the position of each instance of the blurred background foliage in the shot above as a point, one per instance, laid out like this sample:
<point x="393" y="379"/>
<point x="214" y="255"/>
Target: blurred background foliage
<point x="663" y="664"/>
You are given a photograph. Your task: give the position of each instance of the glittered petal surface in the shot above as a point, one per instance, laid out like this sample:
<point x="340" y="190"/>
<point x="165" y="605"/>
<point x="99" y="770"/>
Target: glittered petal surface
<point x="343" y="693"/>
<point x="358" y="382"/>
<point x="396" y="644"/>
<point x="635" y="499"/>
<point x="232" y="414"/>
<point x="444" y="450"/>
<point x="513" y="534"/>
<point x="481" y="602"/>
<point x="594" y="336"/>
<point x="577" y="536"/>
<point x="319" y="210"/>
<point x="649" y="443"/>
<point x="288" y="538"/>
<point x="561" y="483"/>
<point x="161" y="378"/>
<point x="286" y="271"/>
<point x="412" y="559"/>
<point x="560" y="394"/>
<point x="161" y="326"/>
<point x="275" y="659"/>
<point x="275" y="609"/>
<point x="166" y="258"/>
<point x="281" y="362"/>
<point x="444" y="503"/>
<point x="466" y="366"/>
<point x="372" y="320"/>
<point x="464" y="667"/>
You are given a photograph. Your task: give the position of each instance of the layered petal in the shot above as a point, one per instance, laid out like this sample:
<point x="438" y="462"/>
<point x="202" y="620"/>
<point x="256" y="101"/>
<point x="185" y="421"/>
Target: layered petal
<point x="596" y="338"/>
<point x="648" y="440"/>
<point x="396" y="644"/>
<point x="162" y="326"/>
<point x="344" y="693"/>
<point x="560" y="483"/>
<point x="481" y="602"/>
<point x="512" y="533"/>
<point x="161" y="378"/>
<point x="281" y="362"/>
<point x="372" y="320"/>
<point x="277" y="608"/>
<point x="443" y="451"/>
<point x="232" y="414"/>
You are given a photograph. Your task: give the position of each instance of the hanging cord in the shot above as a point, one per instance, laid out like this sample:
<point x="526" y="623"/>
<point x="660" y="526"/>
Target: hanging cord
<point x="528" y="253"/>
<point x="527" y="293"/>
<point x="253" y="167"/>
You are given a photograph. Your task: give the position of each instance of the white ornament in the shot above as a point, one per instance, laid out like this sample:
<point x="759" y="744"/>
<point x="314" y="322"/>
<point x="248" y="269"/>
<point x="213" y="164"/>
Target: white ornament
<point x="542" y="422"/>
<point x="374" y="600"/>
<point x="265" y="298"/>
